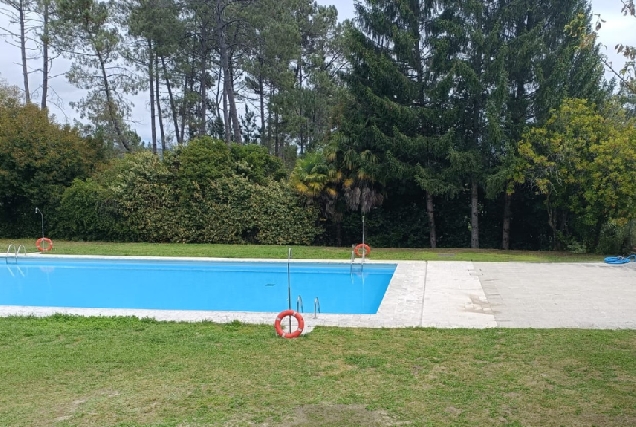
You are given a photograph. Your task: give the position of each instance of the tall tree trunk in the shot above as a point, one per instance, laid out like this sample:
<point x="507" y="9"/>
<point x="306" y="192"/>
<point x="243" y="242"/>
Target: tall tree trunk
<point x="430" y="206"/>
<point x="151" y="78"/>
<point x="173" y="107"/>
<point x="236" y="125"/>
<point x="114" y="119"/>
<point x="220" y="92"/>
<point x="269" y="119"/>
<point x="185" y="105"/>
<point x="430" y="210"/>
<point x="203" y="85"/>
<point x="45" y="54"/>
<point x="552" y="213"/>
<point x="226" y="117"/>
<point x="225" y="65"/>
<point x="277" y="151"/>
<point x="300" y="105"/>
<point x="261" y="100"/>
<point x="159" y="114"/>
<point x="25" y="70"/>
<point x="189" y="91"/>
<point x="233" y="111"/>
<point x="507" y="218"/>
<point x="474" y="214"/>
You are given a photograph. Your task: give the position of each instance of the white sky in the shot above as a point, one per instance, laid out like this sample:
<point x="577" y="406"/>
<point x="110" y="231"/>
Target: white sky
<point x="617" y="29"/>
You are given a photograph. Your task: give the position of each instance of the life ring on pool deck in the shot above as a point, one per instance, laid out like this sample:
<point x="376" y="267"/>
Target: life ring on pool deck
<point x="39" y="242"/>
<point x="367" y="249"/>
<point x="281" y="316"/>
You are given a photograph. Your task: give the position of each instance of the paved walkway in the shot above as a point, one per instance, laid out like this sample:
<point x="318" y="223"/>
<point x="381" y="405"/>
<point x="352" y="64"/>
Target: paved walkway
<point x="448" y="294"/>
<point x="560" y="295"/>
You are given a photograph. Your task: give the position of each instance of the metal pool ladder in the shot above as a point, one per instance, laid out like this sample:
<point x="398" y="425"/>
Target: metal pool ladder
<point x="16" y="252"/>
<point x="300" y="308"/>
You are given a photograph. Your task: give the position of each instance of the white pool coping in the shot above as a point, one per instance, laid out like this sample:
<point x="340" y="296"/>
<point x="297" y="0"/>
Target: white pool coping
<point x="420" y="294"/>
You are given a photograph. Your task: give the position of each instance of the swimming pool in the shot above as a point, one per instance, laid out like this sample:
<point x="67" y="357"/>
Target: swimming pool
<point x="192" y="285"/>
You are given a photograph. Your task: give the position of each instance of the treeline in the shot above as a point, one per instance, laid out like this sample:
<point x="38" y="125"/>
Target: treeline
<point x="245" y="71"/>
<point x="447" y="124"/>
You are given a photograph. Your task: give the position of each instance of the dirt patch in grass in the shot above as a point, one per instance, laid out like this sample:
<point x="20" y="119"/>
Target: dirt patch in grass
<point x="337" y="415"/>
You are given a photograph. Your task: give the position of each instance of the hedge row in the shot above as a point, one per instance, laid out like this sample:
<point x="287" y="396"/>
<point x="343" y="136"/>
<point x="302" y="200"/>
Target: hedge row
<point x="203" y="193"/>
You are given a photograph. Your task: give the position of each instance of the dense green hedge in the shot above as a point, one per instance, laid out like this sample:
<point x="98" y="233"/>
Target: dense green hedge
<point x="204" y="192"/>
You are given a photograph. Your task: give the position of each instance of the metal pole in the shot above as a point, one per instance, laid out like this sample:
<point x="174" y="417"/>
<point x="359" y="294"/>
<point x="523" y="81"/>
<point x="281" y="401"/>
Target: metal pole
<point x="289" y="253"/>
<point x="364" y="251"/>
<point x="40" y="212"/>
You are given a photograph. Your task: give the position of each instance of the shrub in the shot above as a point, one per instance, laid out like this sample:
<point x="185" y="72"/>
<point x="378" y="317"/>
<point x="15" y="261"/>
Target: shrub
<point x="89" y="212"/>
<point x="139" y="198"/>
<point x="617" y="239"/>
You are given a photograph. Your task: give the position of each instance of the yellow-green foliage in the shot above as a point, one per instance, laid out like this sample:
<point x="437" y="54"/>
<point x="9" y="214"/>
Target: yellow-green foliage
<point x="583" y="161"/>
<point x="313" y="176"/>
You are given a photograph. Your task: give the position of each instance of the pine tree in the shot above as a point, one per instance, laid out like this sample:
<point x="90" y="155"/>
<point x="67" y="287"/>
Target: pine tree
<point x="392" y="135"/>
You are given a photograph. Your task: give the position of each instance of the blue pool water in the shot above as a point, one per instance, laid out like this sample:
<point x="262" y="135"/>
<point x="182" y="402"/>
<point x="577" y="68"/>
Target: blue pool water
<point x="192" y="285"/>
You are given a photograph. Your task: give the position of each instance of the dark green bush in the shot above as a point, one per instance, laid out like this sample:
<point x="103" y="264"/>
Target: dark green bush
<point x="89" y="212"/>
<point x="142" y="198"/>
<point x="256" y="164"/>
<point x="617" y="239"/>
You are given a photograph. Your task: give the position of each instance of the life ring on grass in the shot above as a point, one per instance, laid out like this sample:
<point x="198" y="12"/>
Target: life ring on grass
<point x="367" y="249"/>
<point x="297" y="332"/>
<point x="39" y="242"/>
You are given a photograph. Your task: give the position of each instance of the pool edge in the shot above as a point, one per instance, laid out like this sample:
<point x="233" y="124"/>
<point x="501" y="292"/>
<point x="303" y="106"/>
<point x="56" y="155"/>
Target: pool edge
<point x="401" y="305"/>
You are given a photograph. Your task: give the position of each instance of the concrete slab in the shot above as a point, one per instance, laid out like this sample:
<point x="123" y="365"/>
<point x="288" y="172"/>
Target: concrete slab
<point x="454" y="297"/>
<point x="576" y="295"/>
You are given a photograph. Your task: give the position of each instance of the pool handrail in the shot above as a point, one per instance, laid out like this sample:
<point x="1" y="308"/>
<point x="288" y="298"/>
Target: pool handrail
<point x="316" y="307"/>
<point x="353" y="260"/>
<point x="15" y="253"/>
<point x="299" y="304"/>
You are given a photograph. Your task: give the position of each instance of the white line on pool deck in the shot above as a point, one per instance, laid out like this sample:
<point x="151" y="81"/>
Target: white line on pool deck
<point x="450" y="294"/>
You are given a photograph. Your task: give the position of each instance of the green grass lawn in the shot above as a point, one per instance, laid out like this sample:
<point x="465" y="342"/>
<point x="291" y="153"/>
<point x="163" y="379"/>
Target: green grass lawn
<point x="71" y="371"/>
<point x="298" y="252"/>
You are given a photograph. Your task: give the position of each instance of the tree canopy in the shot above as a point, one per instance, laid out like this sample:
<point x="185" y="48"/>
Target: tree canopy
<point x="443" y="123"/>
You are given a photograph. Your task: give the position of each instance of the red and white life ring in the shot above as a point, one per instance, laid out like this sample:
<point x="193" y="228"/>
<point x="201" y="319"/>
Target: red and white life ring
<point x="367" y="249"/>
<point x="281" y="316"/>
<point x="41" y="248"/>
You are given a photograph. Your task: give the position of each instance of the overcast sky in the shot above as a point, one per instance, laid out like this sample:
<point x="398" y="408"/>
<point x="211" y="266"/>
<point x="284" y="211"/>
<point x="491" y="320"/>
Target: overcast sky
<point x="617" y="29"/>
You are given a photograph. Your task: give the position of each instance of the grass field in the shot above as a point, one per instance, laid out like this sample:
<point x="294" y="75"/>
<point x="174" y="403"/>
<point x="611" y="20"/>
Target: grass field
<point x="69" y="371"/>
<point x="298" y="252"/>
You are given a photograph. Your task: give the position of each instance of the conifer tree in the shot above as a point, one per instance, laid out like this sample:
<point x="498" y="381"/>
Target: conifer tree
<point x="393" y="133"/>
<point x="511" y="62"/>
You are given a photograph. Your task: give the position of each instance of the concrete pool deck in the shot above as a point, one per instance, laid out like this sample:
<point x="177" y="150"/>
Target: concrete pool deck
<point x="451" y="294"/>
